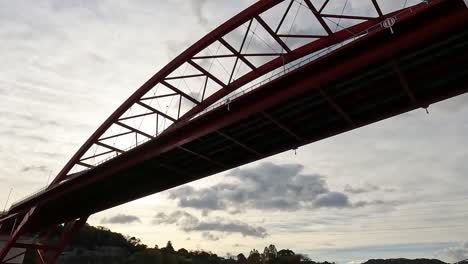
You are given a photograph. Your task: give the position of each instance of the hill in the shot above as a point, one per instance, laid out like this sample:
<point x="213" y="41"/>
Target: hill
<point x="404" y="261"/>
<point x="99" y="245"/>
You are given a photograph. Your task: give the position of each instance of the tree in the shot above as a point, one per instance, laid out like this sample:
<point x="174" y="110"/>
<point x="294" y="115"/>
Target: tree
<point x="286" y="253"/>
<point x="254" y="257"/>
<point x="169" y="248"/>
<point x="241" y="259"/>
<point x="273" y="251"/>
<point x="183" y="252"/>
<point x="269" y="254"/>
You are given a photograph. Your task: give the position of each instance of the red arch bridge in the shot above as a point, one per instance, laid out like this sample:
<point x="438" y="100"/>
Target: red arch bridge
<point x="279" y="75"/>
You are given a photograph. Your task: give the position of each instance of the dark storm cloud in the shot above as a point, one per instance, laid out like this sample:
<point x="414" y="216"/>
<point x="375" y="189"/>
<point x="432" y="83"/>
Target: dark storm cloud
<point x="189" y="223"/>
<point x="121" y="219"/>
<point x="265" y="187"/>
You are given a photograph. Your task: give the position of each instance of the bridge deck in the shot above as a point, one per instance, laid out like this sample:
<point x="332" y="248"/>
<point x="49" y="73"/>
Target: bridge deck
<point x="379" y="76"/>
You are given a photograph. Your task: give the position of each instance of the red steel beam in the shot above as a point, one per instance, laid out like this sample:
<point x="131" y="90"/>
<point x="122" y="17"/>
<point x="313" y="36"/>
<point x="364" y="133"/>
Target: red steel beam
<point x="109" y="147"/>
<point x="272" y="34"/>
<point x="284" y="16"/>
<point x="154" y="110"/>
<point x="157" y="96"/>
<point x="175" y="89"/>
<point x="377" y="8"/>
<point x="319" y="17"/>
<point x="211" y="76"/>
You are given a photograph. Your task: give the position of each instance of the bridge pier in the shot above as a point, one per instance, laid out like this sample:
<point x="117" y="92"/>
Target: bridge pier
<point x="15" y="243"/>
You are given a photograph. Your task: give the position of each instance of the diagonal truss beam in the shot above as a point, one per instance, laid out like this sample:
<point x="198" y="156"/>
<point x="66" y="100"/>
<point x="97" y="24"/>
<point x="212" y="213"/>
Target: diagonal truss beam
<point x="237" y="142"/>
<point x="134" y="130"/>
<point x="211" y="76"/>
<point x="114" y="136"/>
<point x="323" y="6"/>
<point x="282" y="127"/>
<point x="184" y="76"/>
<point x="337" y="108"/>
<point x="237" y="54"/>
<point x="299" y="36"/>
<point x="219" y="56"/>
<point x="201" y="156"/>
<point x="348" y="17"/>
<point x="404" y="82"/>
<point x="188" y="97"/>
<point x="272" y="33"/>
<point x="377" y="8"/>
<point x="135" y="116"/>
<point x="85" y="165"/>
<point x="319" y="17"/>
<point x="284" y="16"/>
<point x="157" y="96"/>
<point x="156" y="112"/>
<point x="109" y="147"/>
<point x="6" y="261"/>
<point x="96" y="155"/>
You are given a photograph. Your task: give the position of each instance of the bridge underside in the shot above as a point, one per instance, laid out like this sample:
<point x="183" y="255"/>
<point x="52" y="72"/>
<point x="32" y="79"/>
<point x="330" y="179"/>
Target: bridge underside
<point x="378" y="77"/>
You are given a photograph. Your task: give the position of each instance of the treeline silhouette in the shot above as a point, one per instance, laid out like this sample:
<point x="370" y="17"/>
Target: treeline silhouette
<point x="168" y="254"/>
<point x="99" y="245"/>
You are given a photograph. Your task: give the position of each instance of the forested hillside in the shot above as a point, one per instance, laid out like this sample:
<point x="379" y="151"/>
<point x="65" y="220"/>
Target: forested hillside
<point x="99" y="245"/>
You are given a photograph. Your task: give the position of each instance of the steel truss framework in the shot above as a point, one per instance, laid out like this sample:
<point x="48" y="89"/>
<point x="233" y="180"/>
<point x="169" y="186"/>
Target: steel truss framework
<point x="169" y="97"/>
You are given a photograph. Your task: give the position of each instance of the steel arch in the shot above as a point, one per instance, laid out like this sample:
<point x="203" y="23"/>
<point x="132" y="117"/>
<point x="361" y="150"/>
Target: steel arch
<point x="223" y="86"/>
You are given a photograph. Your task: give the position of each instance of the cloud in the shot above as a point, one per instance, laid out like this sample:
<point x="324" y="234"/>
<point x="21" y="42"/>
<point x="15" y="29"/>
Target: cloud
<point x="332" y="199"/>
<point x="456" y="253"/>
<point x="121" y="219"/>
<point x="40" y="168"/>
<point x="363" y="189"/>
<point x="209" y="236"/>
<point x="265" y="187"/>
<point x="189" y="223"/>
<point x="198" y="6"/>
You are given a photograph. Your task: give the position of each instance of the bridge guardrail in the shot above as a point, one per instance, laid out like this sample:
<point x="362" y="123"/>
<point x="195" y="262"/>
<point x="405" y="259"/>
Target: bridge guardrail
<point x="28" y="197"/>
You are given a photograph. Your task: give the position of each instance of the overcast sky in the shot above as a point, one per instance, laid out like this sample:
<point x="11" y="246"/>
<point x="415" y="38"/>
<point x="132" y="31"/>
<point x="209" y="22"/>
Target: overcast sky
<point x="397" y="188"/>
